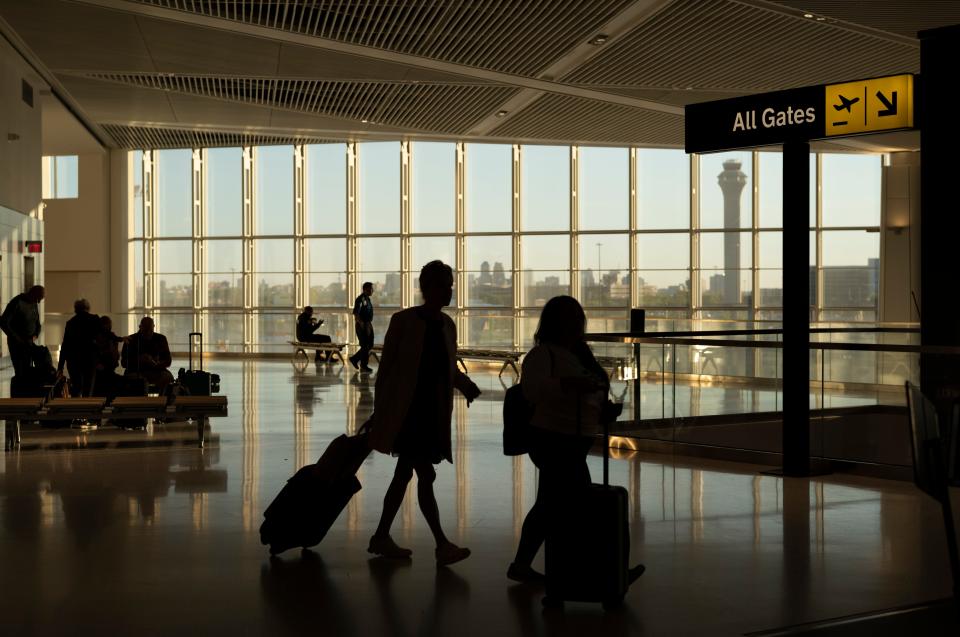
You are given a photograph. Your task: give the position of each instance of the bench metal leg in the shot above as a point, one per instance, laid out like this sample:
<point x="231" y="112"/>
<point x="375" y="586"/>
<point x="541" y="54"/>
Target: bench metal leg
<point x="11" y="438"/>
<point x="339" y="355"/>
<point x="503" y="367"/>
<point x="462" y="364"/>
<point x="201" y="425"/>
<point x="514" y="366"/>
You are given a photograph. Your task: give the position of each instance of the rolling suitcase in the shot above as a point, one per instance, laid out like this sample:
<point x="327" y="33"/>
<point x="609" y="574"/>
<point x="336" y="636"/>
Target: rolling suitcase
<point x="197" y="382"/>
<point x="587" y="550"/>
<point x="313" y="498"/>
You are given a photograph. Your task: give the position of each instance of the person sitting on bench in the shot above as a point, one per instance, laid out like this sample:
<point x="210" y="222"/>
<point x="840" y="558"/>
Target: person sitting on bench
<point x="306" y="326"/>
<point x="146" y="354"/>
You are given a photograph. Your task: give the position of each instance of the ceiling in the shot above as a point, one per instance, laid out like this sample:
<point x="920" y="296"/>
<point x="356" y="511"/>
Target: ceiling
<point x="168" y="73"/>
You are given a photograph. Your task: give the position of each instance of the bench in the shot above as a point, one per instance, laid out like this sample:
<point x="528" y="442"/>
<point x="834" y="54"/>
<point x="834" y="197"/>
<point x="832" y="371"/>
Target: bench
<point x="333" y="350"/>
<point x="198" y="408"/>
<point x="507" y="357"/>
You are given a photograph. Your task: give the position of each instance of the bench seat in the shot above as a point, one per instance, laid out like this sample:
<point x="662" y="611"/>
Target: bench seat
<point x="300" y="349"/>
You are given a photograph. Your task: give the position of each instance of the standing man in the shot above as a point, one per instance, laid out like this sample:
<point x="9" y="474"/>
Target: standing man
<point x="78" y="351"/>
<point x="21" y="323"/>
<point x="363" y="317"/>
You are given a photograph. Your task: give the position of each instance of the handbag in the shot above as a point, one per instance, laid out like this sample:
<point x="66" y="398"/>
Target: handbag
<point x="517" y="416"/>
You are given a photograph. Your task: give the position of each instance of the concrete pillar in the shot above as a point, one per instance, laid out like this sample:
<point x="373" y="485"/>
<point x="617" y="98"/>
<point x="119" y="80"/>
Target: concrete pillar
<point x="900" y="239"/>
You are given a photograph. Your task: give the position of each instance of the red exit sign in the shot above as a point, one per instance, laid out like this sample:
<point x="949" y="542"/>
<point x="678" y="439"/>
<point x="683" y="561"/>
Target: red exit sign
<point x="33" y="247"/>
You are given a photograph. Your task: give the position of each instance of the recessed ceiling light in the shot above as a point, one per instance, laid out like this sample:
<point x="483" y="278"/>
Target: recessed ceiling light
<point x="600" y="39"/>
<point x="820" y="19"/>
<point x="808" y="15"/>
<point x="363" y="121"/>
<point x="502" y="113"/>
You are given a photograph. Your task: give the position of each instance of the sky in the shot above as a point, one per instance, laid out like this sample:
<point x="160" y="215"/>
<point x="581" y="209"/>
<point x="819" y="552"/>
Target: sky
<point x="850" y="190"/>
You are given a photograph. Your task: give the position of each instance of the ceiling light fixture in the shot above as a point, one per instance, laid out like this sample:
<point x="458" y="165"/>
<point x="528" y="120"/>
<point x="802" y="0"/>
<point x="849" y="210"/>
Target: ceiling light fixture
<point x="600" y="39"/>
<point x="502" y="113"/>
<point x="808" y="15"/>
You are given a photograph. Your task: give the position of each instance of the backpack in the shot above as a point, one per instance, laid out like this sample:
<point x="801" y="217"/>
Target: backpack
<point x="517" y="414"/>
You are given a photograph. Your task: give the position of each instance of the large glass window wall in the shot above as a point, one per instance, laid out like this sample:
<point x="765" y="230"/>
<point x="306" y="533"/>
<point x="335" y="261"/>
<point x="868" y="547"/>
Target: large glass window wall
<point x="234" y="240"/>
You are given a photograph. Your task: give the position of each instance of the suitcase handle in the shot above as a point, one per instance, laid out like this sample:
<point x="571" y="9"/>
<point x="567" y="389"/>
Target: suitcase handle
<point x="199" y="349"/>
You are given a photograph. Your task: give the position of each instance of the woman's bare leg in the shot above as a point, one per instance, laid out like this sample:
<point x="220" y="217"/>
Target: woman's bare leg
<point x="394" y="496"/>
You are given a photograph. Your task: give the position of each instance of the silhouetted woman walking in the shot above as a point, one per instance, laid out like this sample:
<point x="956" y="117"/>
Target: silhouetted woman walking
<point x="413" y="402"/>
<point x="567" y="388"/>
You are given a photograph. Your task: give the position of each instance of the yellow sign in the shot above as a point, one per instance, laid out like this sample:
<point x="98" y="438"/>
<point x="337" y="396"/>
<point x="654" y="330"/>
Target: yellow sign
<point x="866" y="106"/>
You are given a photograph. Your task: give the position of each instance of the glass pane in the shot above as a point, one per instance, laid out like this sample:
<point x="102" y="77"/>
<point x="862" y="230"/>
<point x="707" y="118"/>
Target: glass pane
<point x="274" y="289"/>
<point x="604" y="192"/>
<point x="274" y="330"/>
<point x="490" y="287"/>
<point x="728" y="206"/>
<point x="488" y="329"/>
<point x="379" y="254"/>
<point x="224" y="332"/>
<point x="663" y="251"/>
<point x="771" y="250"/>
<point x="176" y="290"/>
<point x="224" y="273"/>
<point x="174" y="256"/>
<point x="386" y="292"/>
<point x="138" y="274"/>
<point x="68" y="167"/>
<point x="545" y="189"/>
<point x="274" y="190"/>
<point x="379" y="196"/>
<point x="771" y="189"/>
<point x="605" y="270"/>
<point x="489" y="187"/>
<point x="274" y="255"/>
<point x="725" y="250"/>
<point x="426" y="249"/>
<point x="327" y="289"/>
<point x="136" y="170"/>
<point x="550" y="252"/>
<point x="489" y="278"/>
<point x="434" y="166"/>
<point x="851" y="190"/>
<point x="327" y="255"/>
<point x="176" y="326"/>
<point x="541" y="286"/>
<point x="663" y="189"/>
<point x="326" y="188"/>
<point x="224" y="191"/>
<point x="175" y="197"/>
<point x="730" y="287"/>
<point x="492" y="250"/>
<point x="771" y="288"/>
<point x="851" y="269"/>
<point x="664" y="288"/>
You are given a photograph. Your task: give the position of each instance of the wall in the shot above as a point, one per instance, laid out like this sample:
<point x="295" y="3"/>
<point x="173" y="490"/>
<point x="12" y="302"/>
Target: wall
<point x="19" y="134"/>
<point x="900" y="239"/>
<point x="78" y="240"/>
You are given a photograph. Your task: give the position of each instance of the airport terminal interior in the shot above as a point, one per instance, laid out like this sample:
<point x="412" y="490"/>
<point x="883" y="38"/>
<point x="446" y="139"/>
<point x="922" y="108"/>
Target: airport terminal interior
<point x="218" y="166"/>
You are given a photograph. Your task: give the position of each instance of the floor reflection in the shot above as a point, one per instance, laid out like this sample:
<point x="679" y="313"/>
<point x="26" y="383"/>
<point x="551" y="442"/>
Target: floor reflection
<point x="728" y="550"/>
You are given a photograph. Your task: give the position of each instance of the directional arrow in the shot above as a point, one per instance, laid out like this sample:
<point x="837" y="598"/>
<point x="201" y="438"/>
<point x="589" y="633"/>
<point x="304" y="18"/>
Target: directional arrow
<point x="890" y="105"/>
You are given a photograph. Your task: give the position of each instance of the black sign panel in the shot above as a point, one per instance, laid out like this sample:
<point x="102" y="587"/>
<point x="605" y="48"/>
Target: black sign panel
<point x="756" y="120"/>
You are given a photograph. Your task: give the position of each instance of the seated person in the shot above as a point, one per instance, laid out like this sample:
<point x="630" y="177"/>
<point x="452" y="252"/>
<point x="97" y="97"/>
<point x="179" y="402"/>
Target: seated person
<point x="306" y="326"/>
<point x="107" y="382"/>
<point x="147" y="355"/>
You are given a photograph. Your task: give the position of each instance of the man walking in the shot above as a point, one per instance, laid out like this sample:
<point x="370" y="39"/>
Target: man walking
<point x="21" y="323"/>
<point x="363" y="317"/>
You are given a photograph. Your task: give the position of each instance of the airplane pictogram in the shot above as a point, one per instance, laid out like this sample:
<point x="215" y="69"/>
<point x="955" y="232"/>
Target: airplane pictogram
<point x="845" y="104"/>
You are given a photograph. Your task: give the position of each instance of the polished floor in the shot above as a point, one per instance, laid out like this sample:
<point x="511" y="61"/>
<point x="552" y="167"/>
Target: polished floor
<point x="134" y="533"/>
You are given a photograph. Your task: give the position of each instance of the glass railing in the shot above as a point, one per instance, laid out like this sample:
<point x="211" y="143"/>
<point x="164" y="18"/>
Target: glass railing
<point x="725" y="391"/>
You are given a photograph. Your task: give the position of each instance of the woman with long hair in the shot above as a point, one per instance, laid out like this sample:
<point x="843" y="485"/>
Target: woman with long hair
<point x="567" y="388"/>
